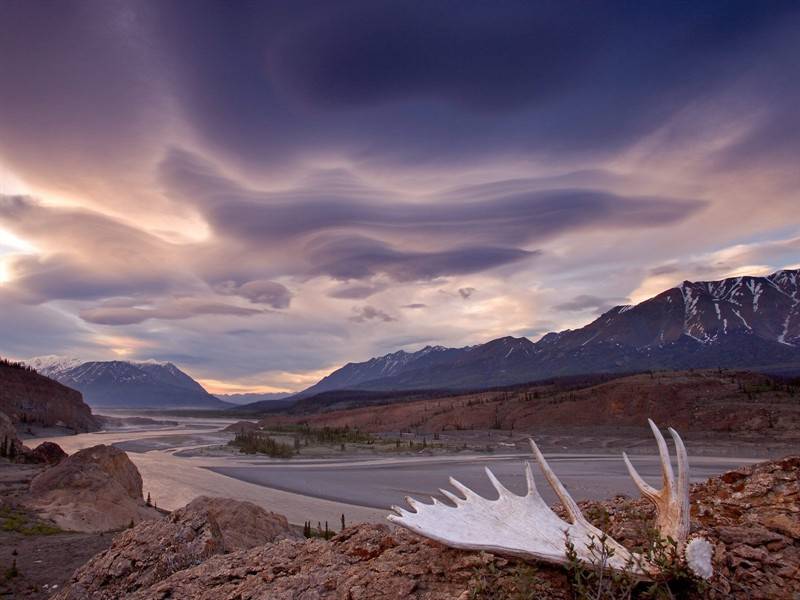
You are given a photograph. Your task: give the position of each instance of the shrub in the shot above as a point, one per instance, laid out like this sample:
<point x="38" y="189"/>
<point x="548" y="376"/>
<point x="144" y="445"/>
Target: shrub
<point x="326" y="435"/>
<point x="596" y="581"/>
<point x="12" y="571"/>
<point x="319" y="532"/>
<point x="256" y="442"/>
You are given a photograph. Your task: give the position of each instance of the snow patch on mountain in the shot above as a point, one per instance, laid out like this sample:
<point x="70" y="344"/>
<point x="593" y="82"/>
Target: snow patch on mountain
<point x="53" y="363"/>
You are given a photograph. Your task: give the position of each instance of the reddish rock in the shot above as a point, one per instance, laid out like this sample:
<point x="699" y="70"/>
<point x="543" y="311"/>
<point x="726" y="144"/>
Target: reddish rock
<point x="243" y="524"/>
<point x="369" y="562"/>
<point x="113" y="461"/>
<point x="96" y="489"/>
<point x="49" y="453"/>
<point x="152" y="551"/>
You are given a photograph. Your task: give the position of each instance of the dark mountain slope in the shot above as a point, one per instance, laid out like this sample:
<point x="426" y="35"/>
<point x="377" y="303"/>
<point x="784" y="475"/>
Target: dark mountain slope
<point x="741" y="322"/>
<point x="30" y="398"/>
<point x="123" y="384"/>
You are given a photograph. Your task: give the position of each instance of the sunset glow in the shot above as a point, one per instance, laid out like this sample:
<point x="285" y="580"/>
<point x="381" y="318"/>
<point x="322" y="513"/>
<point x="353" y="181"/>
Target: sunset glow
<point x="264" y="208"/>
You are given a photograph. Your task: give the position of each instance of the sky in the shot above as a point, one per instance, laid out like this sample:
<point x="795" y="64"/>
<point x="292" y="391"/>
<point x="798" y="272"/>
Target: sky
<point x="262" y="192"/>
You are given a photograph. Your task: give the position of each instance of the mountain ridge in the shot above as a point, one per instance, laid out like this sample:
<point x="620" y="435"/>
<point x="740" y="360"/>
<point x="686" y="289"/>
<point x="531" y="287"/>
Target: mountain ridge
<point x="741" y="322"/>
<point x="128" y="384"/>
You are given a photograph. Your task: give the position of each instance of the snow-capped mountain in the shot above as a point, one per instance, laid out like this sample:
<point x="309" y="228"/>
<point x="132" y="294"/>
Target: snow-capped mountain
<point x="388" y="366"/>
<point x="766" y="308"/>
<point x="53" y="364"/>
<point x="127" y="384"/>
<point x="740" y="322"/>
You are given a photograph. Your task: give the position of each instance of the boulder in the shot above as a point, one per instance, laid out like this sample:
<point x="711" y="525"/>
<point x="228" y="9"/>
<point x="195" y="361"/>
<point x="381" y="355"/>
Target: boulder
<point x="243" y="524"/>
<point x="49" y="453"/>
<point x="152" y="551"/>
<point x="369" y="562"/>
<point x="96" y="489"/>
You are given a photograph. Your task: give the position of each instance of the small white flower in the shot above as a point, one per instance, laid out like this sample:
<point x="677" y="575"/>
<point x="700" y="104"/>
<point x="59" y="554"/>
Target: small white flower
<point x="699" y="553"/>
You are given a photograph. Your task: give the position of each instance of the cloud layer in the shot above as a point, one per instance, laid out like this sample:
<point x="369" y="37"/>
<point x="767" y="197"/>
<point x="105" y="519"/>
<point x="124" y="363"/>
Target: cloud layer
<point x="262" y="192"/>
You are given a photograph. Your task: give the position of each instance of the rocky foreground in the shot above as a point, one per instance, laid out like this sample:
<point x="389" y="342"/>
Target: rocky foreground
<point x="228" y="549"/>
<point x="218" y="548"/>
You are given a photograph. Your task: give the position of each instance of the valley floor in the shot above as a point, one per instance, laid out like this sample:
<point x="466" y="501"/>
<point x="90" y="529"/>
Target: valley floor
<point x="181" y="461"/>
<point x="363" y="481"/>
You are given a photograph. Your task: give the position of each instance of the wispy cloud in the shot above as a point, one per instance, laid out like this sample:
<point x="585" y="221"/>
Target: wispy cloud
<point x="224" y="200"/>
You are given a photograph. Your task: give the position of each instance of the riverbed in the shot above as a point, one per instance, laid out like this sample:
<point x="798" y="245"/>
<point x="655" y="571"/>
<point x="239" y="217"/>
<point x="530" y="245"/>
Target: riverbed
<point x="360" y="488"/>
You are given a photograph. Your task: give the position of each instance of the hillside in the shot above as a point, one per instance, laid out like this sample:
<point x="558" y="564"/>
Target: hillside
<point x="253" y="398"/>
<point x="707" y="401"/>
<point x="128" y="384"/>
<point x="30" y="398"/>
<point x="748" y="323"/>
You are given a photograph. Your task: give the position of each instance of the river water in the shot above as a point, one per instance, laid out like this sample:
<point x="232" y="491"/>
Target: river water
<point x="360" y="488"/>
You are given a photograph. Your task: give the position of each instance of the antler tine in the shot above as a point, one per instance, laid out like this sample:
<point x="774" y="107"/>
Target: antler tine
<point x="452" y="497"/>
<point x="682" y="490"/>
<point x="647" y="490"/>
<point x="663" y="453"/>
<point x="672" y="501"/>
<point x="468" y="493"/>
<point x="401" y="512"/>
<point x="502" y="491"/>
<point x="530" y="480"/>
<point x="683" y="463"/>
<point x="413" y="503"/>
<point x="567" y="502"/>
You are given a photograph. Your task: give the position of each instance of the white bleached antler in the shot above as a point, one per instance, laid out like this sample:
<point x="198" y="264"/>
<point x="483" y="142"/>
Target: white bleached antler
<point x="671" y="501"/>
<point x="524" y="526"/>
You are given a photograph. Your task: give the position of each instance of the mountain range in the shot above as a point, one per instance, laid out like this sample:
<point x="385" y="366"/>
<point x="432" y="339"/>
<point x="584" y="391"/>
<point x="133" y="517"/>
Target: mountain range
<point x="127" y="384"/>
<point x="740" y="322"/>
<point x="251" y="397"/>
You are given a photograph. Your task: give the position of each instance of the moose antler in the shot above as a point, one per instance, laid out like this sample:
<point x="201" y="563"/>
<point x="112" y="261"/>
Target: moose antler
<point x="524" y="526"/>
<point x="671" y="501"/>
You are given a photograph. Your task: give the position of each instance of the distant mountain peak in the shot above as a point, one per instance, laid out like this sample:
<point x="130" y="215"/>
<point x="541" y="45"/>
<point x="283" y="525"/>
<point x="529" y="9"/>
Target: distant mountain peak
<point x="128" y="383"/>
<point x="744" y="322"/>
<point x="53" y="363"/>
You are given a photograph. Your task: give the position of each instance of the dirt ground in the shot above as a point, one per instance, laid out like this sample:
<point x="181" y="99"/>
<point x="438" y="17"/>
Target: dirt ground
<point x="44" y="559"/>
<point x="44" y="562"/>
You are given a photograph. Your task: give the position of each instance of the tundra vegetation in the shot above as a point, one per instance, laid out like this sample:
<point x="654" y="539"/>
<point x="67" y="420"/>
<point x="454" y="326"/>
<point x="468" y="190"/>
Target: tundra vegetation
<point x="257" y="442"/>
<point x="267" y="440"/>
<point x="595" y="580"/>
<point x="18" y="521"/>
